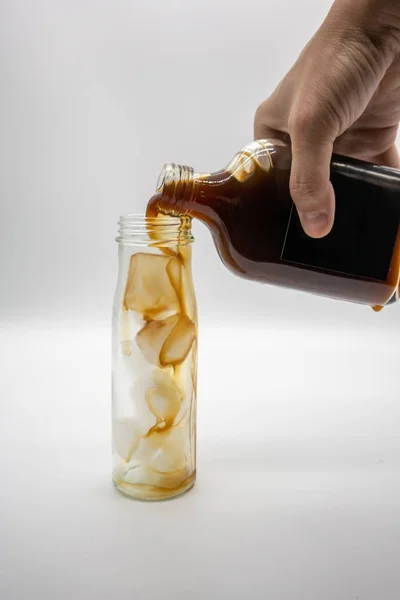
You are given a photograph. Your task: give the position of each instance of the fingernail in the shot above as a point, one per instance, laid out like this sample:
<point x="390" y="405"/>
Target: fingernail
<point x="314" y="223"/>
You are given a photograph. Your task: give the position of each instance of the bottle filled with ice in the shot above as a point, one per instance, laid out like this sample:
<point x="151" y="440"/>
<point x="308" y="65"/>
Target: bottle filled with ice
<point x="154" y="359"/>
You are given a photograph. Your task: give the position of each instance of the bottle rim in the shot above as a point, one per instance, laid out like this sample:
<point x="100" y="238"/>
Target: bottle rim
<point x="163" y="230"/>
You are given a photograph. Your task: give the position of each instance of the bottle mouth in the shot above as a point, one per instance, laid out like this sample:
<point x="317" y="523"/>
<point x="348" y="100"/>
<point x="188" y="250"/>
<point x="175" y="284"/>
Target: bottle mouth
<point x="172" y="175"/>
<point x="163" y="230"/>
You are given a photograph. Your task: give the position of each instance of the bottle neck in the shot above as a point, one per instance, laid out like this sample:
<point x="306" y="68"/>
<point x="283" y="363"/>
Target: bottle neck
<point x="176" y="189"/>
<point x="180" y="190"/>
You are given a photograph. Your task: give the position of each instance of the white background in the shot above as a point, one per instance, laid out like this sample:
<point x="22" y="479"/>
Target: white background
<point x="299" y="414"/>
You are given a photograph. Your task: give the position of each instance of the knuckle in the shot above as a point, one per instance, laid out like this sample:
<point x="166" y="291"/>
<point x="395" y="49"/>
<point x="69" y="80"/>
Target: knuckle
<point x="299" y="124"/>
<point x="260" y="110"/>
<point x="301" y="116"/>
<point x="316" y="120"/>
<point x="261" y="116"/>
<point x="305" y="124"/>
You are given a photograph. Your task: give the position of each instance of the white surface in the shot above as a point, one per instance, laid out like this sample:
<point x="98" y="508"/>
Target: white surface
<point x="298" y="472"/>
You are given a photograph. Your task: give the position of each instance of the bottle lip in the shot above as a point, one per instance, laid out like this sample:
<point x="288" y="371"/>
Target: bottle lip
<point x="163" y="230"/>
<point x="140" y="219"/>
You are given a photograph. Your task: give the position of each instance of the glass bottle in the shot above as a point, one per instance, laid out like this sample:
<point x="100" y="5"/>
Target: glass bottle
<point x="248" y="208"/>
<point x="154" y="359"/>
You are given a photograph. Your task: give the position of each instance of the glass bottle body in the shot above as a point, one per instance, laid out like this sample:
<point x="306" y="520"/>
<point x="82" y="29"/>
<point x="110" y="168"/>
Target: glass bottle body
<point x="248" y="208"/>
<point x="154" y="360"/>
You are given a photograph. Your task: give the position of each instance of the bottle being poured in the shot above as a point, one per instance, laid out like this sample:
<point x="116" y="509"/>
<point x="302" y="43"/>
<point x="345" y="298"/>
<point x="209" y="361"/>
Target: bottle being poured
<point x="257" y="232"/>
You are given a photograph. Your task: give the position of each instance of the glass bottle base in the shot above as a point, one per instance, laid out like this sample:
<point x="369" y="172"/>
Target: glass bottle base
<point x="153" y="493"/>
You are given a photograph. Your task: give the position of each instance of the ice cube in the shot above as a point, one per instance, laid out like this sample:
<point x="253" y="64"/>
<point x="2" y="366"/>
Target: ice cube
<point x="149" y="289"/>
<point x="126" y="437"/>
<point x="134" y="361"/>
<point x="151" y="338"/>
<point x="178" y="343"/>
<point x="130" y="322"/>
<point x="166" y="451"/>
<point x="150" y="417"/>
<point x="165" y="378"/>
<point x="164" y="401"/>
<point x="145" y="419"/>
<point x="187" y="297"/>
<point x="184" y="379"/>
<point x="174" y="270"/>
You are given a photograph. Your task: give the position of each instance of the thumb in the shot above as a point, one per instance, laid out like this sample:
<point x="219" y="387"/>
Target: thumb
<point x="310" y="188"/>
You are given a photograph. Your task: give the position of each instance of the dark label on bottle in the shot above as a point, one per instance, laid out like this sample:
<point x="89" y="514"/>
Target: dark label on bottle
<point x="360" y="244"/>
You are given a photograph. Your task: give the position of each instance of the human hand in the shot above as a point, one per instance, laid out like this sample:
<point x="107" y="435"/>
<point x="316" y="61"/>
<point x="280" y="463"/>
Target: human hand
<point x="342" y="95"/>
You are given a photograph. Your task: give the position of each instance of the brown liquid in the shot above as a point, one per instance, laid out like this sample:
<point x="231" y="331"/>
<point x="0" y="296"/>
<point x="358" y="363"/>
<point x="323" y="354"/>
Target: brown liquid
<point x="258" y="235"/>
